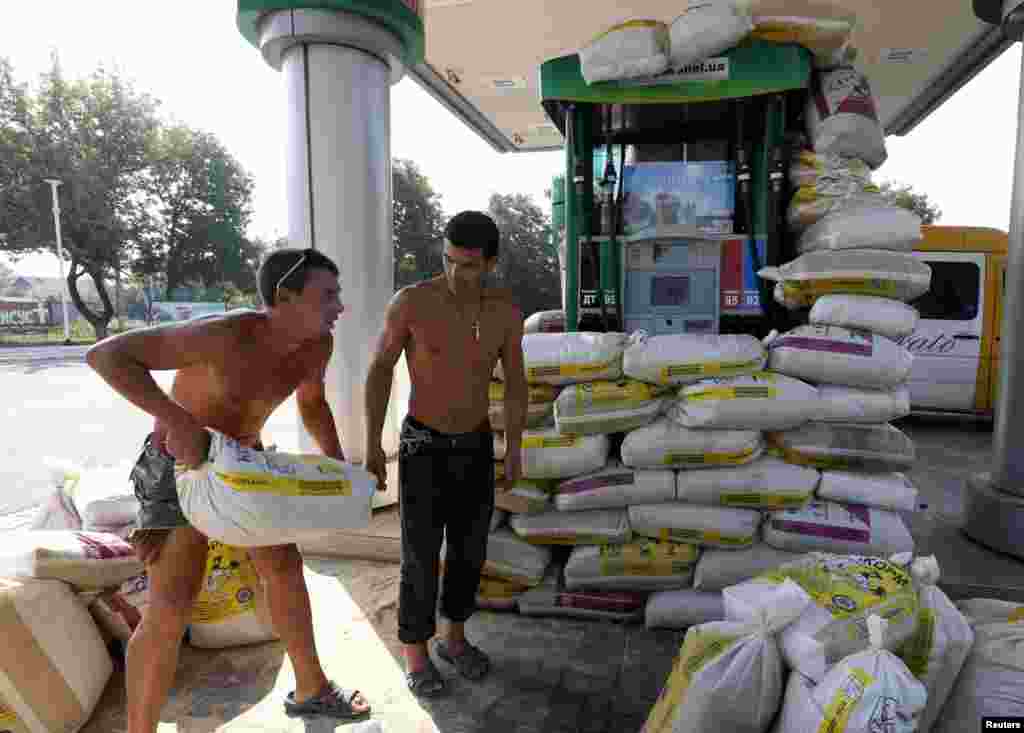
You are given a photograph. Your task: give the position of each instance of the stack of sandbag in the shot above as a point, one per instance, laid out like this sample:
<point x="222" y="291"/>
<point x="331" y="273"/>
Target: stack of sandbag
<point x="105" y="499"/>
<point x="545" y="322"/>
<point x="639" y="566"/>
<point x="540" y="403"/>
<point x="553" y="598"/>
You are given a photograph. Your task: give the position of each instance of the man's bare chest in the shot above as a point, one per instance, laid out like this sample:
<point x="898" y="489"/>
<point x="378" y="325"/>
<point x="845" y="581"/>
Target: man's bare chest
<point x="446" y="342"/>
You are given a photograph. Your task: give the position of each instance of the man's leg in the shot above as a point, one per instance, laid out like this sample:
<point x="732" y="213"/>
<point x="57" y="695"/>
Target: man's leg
<point x="152" y="659"/>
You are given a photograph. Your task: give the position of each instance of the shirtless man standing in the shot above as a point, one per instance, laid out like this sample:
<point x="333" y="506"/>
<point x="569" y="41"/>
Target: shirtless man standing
<point x="233" y="371"/>
<point x="453" y="332"/>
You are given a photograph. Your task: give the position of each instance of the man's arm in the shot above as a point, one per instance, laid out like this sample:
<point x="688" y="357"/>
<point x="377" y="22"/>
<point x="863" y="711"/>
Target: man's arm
<point x="516" y="394"/>
<point x="313" y="408"/>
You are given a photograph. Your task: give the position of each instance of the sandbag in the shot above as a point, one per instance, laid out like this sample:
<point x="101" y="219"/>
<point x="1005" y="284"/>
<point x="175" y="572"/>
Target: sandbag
<point x="106" y="497"/>
<point x="500" y="447"/>
<point x="863" y="223"/>
<point x="637" y="566"/>
<point x="991" y="683"/>
<point x="118" y="611"/>
<point x="718" y="569"/>
<point x="854" y="405"/>
<point x="809" y="169"/>
<point x="868" y="692"/>
<point x="681" y="609"/>
<point x="249" y="498"/>
<point x="231" y="608"/>
<point x="862" y="448"/>
<point x="846" y="589"/>
<point x="539" y="408"/>
<point x="545" y="322"/>
<point x="833" y="355"/>
<point x="938" y="649"/>
<point x="822" y="28"/>
<point x="842" y="116"/>
<point x="838" y="528"/>
<point x="547" y="454"/>
<point x="687" y="358"/>
<point x="706" y="28"/>
<point x="728" y="676"/>
<point x="525" y="497"/>
<point x="614" y="487"/>
<point x="666" y="444"/>
<point x="57" y="512"/>
<point x="84" y="560"/>
<point x="895" y="275"/>
<point x="498" y="595"/>
<point x="594" y="527"/>
<point x="514" y="560"/>
<point x="628" y="50"/>
<point x="593" y="408"/>
<point x="55" y="665"/>
<point x="706" y="526"/>
<point x="884" y="316"/>
<point x="767" y="483"/>
<point x="892" y="491"/>
<point x="551" y="598"/>
<point x="762" y="401"/>
<point x="566" y="358"/>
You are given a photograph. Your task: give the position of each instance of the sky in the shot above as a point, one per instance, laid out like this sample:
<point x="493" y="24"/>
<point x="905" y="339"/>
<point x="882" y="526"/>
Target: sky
<point x="190" y="56"/>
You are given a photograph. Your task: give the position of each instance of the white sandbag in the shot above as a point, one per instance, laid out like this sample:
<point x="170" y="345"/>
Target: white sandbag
<point x="549" y="454"/>
<point x="118" y="611"/>
<point x="706" y="28"/>
<point x="884" y="490"/>
<point x="106" y="496"/>
<point x="846" y="589"/>
<point x="515" y="560"/>
<point x="566" y="358"/>
<point x="884" y="316"/>
<point x="231" y="608"/>
<point x="991" y="683"/>
<point x="849" y="447"/>
<point x="762" y="401"/>
<point x="620" y="606"/>
<point x="895" y="275"/>
<point x="614" y="487"/>
<point x="811" y="204"/>
<point x="834" y="355"/>
<point x="938" y="649"/>
<point x="545" y="322"/>
<point x="628" y="50"/>
<point x="681" y="609"/>
<point x="500" y="447"/>
<point x="809" y="169"/>
<point x="684" y="358"/>
<point x="85" y="560"/>
<point x="249" y="498"/>
<point x="706" y="526"/>
<point x="718" y="569"/>
<point x="525" y="497"/>
<point x="854" y="405"/>
<point x="593" y="408"/>
<point x="863" y="224"/>
<point x="768" y="483"/>
<point x="55" y="665"/>
<point x="666" y="444"/>
<point x="498" y="519"/>
<point x="868" y="692"/>
<point x="57" y="512"/>
<point x="839" y="528"/>
<point x="842" y="116"/>
<point x="637" y="566"/>
<point x="539" y="407"/>
<point x="728" y="676"/>
<point x="823" y="28"/>
<point x="594" y="527"/>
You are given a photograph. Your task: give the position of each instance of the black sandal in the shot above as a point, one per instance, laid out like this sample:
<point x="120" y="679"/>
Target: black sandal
<point x="427" y="682"/>
<point x="336" y="702"/>
<point x="472" y="663"/>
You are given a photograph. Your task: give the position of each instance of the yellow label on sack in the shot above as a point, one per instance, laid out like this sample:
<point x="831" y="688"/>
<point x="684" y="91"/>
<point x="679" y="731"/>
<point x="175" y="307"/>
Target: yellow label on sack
<point x="703" y="537"/>
<point x="1017" y="616"/>
<point x="7" y="716"/>
<point x="628" y="392"/>
<point x="838" y="712"/>
<point x="229" y="586"/>
<point x="852" y="586"/>
<point x="562" y="441"/>
<point x="834" y="463"/>
<point x="916" y="650"/>
<point x="805" y="291"/>
<point x="261" y="483"/>
<point x="743" y="392"/>
<point x="491" y="588"/>
<point x="707" y="459"/>
<point x="647" y="559"/>
<point x="536" y="393"/>
<point x="568" y="539"/>
<point x="569" y="370"/>
<point x="627" y="25"/>
<point x="764" y="501"/>
<point x="710" y="369"/>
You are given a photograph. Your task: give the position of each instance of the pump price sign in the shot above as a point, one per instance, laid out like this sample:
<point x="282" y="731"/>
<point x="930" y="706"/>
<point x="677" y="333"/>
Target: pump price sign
<point x="739" y="294"/>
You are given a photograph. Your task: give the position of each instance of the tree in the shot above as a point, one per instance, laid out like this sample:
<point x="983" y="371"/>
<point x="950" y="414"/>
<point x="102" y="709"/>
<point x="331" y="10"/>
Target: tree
<point x="96" y="135"/>
<point x="528" y="264"/>
<point x="418" y="224"/>
<point x="903" y="195"/>
<point x="7" y="278"/>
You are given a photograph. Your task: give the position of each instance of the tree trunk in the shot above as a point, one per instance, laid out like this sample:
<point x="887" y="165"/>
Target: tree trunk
<point x="99" y="322"/>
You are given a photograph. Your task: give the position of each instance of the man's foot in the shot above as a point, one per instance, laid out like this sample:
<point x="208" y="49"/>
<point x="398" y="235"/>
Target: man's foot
<point x="425" y="681"/>
<point x="469" y="661"/>
<point x="333" y="702"/>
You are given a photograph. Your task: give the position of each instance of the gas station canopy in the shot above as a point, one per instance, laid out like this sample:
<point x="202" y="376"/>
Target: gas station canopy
<point x="483" y="56"/>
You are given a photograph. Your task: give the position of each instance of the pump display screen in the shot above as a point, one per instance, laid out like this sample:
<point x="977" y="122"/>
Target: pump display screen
<point x="670" y="290"/>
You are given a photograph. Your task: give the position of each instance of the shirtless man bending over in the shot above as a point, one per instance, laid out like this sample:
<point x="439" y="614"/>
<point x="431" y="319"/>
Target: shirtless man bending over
<point x="233" y="371"/>
<point x="453" y="331"/>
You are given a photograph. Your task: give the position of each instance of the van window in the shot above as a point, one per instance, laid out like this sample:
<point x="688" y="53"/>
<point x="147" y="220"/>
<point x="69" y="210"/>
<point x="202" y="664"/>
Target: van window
<point x="954" y="292"/>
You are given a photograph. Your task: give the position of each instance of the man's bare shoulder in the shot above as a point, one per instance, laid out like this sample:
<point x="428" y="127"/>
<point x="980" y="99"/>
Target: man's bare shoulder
<point x="506" y="303"/>
<point x="417" y="295"/>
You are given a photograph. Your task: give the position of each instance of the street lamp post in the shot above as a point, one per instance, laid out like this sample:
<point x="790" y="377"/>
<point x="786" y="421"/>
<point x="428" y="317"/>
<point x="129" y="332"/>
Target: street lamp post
<point x="54" y="183"/>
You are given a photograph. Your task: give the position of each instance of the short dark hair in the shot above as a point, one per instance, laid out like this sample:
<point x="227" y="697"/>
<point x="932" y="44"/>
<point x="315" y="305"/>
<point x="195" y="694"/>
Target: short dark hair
<point x="474" y="230"/>
<point x="280" y="261"/>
